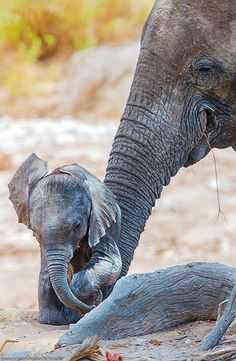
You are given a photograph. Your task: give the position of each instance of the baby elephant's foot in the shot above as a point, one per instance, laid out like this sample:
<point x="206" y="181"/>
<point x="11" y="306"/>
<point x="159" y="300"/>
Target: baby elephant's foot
<point x="58" y="317"/>
<point x="85" y="288"/>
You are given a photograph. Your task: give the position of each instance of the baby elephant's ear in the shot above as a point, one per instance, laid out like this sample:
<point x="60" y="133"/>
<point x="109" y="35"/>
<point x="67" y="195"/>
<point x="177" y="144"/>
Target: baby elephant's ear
<point x="26" y="176"/>
<point x="104" y="210"/>
<point x="104" y="206"/>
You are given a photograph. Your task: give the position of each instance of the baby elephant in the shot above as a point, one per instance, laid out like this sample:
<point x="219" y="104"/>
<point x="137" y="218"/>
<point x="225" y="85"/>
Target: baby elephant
<point x="76" y="221"/>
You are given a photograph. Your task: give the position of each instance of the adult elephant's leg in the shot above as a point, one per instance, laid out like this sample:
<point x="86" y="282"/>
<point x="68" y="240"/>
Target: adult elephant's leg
<point x="51" y="310"/>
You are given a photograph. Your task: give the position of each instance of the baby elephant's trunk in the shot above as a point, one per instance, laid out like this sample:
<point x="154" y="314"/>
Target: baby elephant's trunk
<point x="57" y="262"/>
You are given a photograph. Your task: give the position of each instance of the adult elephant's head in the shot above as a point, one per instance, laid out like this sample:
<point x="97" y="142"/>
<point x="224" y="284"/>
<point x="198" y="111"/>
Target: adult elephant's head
<point x="67" y="209"/>
<point x="181" y="104"/>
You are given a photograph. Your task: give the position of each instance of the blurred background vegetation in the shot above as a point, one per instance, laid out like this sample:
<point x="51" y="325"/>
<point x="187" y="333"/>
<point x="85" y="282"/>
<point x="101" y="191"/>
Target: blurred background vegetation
<point x="36" y="37"/>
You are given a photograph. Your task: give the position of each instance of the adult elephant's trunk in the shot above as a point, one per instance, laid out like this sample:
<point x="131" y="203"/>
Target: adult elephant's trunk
<point x="132" y="176"/>
<point x="57" y="262"/>
<point x="148" y="150"/>
<point x="161" y="123"/>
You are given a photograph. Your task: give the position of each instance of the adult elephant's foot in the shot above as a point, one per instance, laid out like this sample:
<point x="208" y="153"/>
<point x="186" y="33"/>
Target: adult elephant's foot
<point x="226" y="318"/>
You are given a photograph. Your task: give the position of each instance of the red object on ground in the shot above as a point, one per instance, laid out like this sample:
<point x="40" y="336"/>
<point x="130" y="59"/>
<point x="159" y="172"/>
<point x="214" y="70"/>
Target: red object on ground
<point x="115" y="357"/>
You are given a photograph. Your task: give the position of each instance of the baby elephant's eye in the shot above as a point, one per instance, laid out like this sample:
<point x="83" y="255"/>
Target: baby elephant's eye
<point x="77" y="225"/>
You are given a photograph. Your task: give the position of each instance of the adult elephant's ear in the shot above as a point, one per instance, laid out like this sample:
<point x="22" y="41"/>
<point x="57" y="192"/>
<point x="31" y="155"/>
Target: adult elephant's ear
<point x="104" y="206"/>
<point x="25" y="177"/>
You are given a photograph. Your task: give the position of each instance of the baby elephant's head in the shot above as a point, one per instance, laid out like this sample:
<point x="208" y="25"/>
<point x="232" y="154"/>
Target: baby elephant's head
<point x="62" y="208"/>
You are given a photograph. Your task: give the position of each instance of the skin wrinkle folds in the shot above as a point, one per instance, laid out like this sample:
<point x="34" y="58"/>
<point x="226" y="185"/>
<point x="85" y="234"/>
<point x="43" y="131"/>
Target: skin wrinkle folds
<point x="183" y="91"/>
<point x="147" y="160"/>
<point x="138" y="180"/>
<point x="155" y="136"/>
<point x="147" y="183"/>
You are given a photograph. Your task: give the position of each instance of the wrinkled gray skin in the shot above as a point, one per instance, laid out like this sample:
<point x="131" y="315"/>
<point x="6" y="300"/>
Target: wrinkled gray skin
<point x="76" y="221"/>
<point x="182" y="100"/>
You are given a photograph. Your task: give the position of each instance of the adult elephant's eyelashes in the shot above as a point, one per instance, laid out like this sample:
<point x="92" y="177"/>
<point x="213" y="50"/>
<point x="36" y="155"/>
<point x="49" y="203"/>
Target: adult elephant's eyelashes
<point x="206" y="64"/>
<point x="204" y="69"/>
<point x="206" y="73"/>
<point x="207" y="78"/>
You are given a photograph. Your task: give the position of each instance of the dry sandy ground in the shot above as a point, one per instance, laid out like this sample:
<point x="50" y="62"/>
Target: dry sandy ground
<point x="183" y="227"/>
<point x="164" y="346"/>
<point x="29" y="339"/>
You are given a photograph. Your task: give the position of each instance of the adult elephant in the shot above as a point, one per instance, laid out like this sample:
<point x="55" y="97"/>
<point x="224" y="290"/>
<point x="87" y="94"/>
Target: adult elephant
<point x="181" y="104"/>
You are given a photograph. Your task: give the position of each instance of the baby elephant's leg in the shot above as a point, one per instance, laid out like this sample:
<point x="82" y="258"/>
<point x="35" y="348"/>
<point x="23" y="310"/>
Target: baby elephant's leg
<point x="85" y="286"/>
<point x="101" y="271"/>
<point x="51" y="310"/>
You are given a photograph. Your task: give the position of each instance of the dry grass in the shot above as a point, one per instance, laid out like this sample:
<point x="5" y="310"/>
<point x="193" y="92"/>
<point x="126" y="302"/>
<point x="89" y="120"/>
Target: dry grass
<point x="37" y="30"/>
<point x="89" y="349"/>
<point x="37" y="37"/>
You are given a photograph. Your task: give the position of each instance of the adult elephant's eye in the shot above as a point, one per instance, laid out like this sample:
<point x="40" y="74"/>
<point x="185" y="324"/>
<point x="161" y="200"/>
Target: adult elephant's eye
<point x="204" y="69"/>
<point x="205" y="64"/>
<point x="206" y="72"/>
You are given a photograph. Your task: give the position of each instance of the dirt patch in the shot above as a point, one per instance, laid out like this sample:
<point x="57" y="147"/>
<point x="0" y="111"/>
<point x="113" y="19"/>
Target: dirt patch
<point x="27" y="337"/>
<point x="31" y="336"/>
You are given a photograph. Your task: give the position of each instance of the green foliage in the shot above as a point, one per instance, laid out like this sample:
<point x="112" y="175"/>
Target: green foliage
<point x="41" y="28"/>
